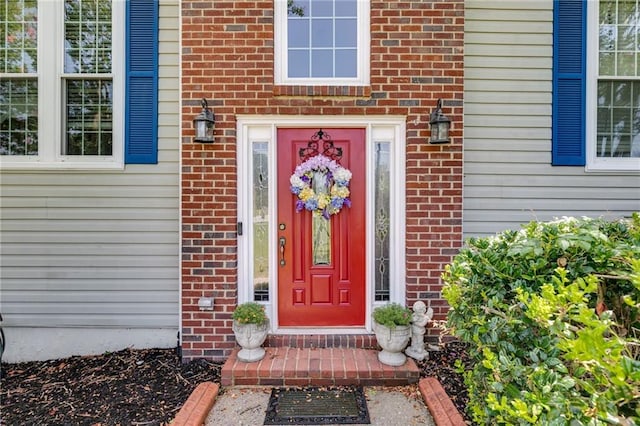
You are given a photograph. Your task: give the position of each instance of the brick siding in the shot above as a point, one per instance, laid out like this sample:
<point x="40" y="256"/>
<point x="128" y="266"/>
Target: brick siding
<point x="227" y="57"/>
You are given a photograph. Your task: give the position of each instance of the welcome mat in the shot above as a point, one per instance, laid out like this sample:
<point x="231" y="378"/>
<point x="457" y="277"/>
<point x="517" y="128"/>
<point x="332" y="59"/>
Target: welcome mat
<point x="317" y="406"/>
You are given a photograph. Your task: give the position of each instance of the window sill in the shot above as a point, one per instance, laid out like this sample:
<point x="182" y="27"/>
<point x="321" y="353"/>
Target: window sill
<point x="631" y="165"/>
<point x="71" y="165"/>
<point x="322" y="91"/>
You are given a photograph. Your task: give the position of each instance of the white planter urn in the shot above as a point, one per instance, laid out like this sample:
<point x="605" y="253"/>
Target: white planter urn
<point x="392" y="341"/>
<point x="250" y="337"/>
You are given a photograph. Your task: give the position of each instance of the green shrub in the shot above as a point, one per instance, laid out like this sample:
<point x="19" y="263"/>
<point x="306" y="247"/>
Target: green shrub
<point x="552" y="317"/>
<point x="249" y="313"/>
<point x="392" y="315"/>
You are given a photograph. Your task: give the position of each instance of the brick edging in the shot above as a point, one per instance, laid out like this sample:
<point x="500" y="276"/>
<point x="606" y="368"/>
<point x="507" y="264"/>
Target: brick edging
<point x="194" y="412"/>
<point x="440" y="406"/>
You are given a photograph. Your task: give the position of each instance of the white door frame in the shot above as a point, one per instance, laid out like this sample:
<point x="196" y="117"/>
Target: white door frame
<point x="378" y="129"/>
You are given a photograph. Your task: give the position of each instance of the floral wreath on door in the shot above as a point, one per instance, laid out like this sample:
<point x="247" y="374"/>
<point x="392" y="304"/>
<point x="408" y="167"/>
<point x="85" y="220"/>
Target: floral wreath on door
<point x="321" y="186"/>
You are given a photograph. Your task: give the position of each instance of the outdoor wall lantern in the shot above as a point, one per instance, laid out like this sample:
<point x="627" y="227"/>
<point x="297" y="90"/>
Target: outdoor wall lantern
<point x="440" y="125"/>
<point x="203" y="124"/>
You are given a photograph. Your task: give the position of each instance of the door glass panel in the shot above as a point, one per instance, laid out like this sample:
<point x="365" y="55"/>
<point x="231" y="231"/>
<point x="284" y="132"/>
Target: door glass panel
<point x="382" y="216"/>
<point x="260" y="222"/>
<point x="321" y="227"/>
<point x="321" y="240"/>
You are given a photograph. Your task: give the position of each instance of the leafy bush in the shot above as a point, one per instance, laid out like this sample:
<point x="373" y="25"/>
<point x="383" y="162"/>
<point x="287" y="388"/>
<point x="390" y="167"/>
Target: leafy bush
<point x="552" y="316"/>
<point x="250" y="313"/>
<point x="392" y="315"/>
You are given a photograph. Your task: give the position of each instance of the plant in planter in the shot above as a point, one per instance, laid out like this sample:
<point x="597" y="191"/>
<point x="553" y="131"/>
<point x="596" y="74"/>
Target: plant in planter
<point x="392" y="325"/>
<point x="250" y="326"/>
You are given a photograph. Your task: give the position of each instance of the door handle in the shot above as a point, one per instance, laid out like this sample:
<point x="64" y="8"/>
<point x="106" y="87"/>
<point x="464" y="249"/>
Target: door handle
<point x="282" y="243"/>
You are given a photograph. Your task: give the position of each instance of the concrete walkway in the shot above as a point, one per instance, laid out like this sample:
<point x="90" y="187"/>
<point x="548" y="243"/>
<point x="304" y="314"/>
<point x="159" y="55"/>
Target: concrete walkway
<point x="247" y="405"/>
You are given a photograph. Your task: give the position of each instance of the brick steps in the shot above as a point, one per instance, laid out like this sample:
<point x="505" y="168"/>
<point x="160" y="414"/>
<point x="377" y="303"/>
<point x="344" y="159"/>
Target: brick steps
<point x="287" y="366"/>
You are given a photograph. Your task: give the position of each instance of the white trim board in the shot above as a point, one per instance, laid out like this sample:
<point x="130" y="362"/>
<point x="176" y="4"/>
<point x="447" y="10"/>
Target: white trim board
<point x="263" y="128"/>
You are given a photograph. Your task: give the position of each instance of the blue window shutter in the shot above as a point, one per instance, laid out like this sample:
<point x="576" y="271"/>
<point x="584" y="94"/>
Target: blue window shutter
<point x="141" y="97"/>
<point x="569" y="75"/>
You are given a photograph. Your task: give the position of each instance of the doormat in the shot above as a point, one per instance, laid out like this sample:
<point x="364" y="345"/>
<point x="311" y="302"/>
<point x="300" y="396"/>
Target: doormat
<point x="317" y="406"/>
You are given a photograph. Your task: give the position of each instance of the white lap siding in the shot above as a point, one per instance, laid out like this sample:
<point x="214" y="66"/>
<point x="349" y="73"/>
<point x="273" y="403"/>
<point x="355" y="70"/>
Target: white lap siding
<point x="509" y="179"/>
<point x="90" y="259"/>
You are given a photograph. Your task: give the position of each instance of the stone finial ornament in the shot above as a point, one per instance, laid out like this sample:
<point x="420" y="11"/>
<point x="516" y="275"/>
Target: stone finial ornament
<point x="419" y="320"/>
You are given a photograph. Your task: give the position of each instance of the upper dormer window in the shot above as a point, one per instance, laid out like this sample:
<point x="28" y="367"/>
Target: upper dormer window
<point x="322" y="42"/>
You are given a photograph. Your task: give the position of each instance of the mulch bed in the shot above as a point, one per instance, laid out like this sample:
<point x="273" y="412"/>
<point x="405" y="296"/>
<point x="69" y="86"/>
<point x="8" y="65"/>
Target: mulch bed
<point x="130" y="387"/>
<point x="141" y="387"/>
<point x="442" y="364"/>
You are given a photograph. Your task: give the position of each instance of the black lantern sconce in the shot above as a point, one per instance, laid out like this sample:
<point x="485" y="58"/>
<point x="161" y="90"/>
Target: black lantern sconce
<point x="440" y="125"/>
<point x="203" y="124"/>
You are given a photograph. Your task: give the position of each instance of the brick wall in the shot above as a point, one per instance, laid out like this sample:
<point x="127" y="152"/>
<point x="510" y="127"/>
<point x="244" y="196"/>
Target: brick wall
<point x="227" y="57"/>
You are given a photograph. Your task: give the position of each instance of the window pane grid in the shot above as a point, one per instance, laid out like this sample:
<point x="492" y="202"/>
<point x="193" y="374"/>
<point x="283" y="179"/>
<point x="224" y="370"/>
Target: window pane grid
<point x="618" y="109"/>
<point x="19" y="36"/>
<point x="89" y="117"/>
<point x="619" y="38"/>
<point x="18" y="117"/>
<point x="618" y="119"/>
<point x="75" y="56"/>
<point x="323" y="42"/>
<point x="87" y="36"/>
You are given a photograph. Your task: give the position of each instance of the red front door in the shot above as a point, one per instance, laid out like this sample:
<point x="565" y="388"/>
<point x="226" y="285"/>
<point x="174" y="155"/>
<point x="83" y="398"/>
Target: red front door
<point x="321" y="263"/>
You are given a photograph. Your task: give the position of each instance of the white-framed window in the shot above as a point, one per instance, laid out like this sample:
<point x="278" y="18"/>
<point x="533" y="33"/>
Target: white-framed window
<point x="62" y="83"/>
<point x="613" y="85"/>
<point x="322" y="42"/>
